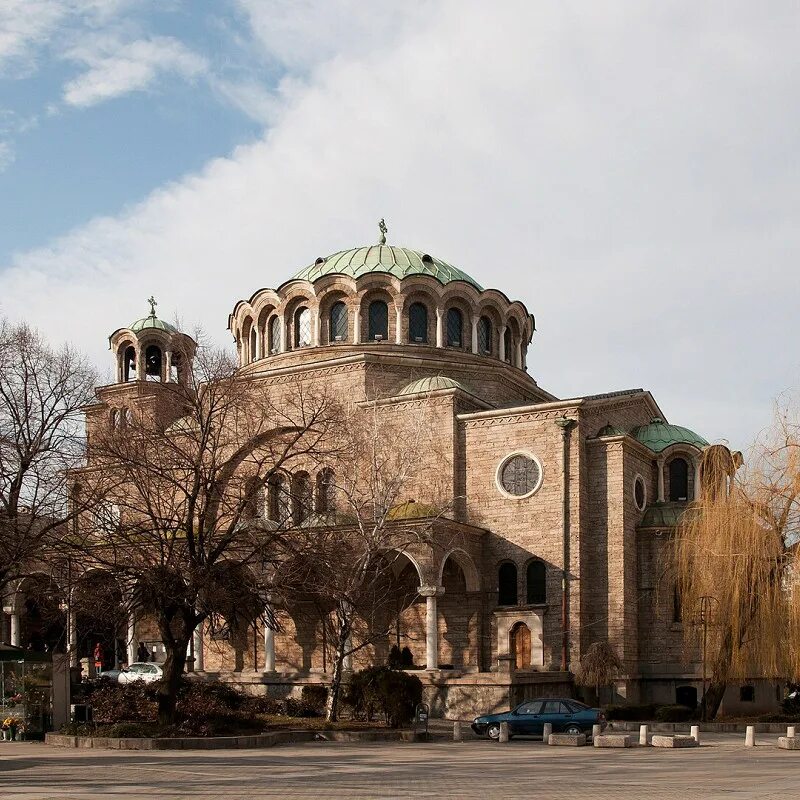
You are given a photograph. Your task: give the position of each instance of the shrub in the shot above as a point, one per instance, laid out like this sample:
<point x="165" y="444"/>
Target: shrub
<point x="631" y="713"/>
<point x="315" y="696"/>
<point x="791" y="705"/>
<point x="130" y="702"/>
<point x="265" y="705"/>
<point x="674" y="714"/>
<point x="380" y="690"/>
<point x="300" y="708"/>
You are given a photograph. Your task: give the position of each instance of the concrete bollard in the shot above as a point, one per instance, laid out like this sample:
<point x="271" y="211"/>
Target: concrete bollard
<point x="643" y="736"/>
<point x="790" y="732"/>
<point x="456" y="731"/>
<point x="596" y="731"/>
<point x="547" y="729"/>
<point x="750" y="736"/>
<point x="695" y="732"/>
<point x="503" y="732"/>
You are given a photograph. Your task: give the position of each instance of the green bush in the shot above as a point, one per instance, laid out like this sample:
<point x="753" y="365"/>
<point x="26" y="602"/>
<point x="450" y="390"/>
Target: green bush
<point x="631" y="713"/>
<point x="674" y="714"/>
<point x="380" y="690"/>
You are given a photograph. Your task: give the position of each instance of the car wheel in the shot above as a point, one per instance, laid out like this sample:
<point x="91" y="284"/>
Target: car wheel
<point x="493" y="731"/>
<point x="573" y="730"/>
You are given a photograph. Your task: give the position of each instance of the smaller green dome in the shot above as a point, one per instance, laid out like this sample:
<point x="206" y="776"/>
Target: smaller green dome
<point x="610" y="430"/>
<point x="425" y="385"/>
<point x="410" y="509"/>
<point x="152" y="322"/>
<point x="659" y="435"/>
<point x="663" y="515"/>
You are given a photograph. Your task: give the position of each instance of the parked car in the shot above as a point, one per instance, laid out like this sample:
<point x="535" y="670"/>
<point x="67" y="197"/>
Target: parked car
<point x="528" y="718"/>
<point x="110" y="675"/>
<point x="141" y="671"/>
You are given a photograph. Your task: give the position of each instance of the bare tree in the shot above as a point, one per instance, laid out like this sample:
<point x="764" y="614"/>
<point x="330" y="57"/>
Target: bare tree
<point x="599" y="666"/>
<point x="350" y="574"/>
<point x="180" y="523"/>
<point x="737" y="549"/>
<point x="42" y="393"/>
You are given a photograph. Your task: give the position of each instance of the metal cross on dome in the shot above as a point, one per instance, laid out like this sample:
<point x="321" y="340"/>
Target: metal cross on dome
<point x="384" y="230"/>
<point x="153" y="305"/>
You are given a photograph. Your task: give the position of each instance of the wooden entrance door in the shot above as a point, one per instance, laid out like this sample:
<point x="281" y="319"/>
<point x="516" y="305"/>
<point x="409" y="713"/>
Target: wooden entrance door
<point x="521" y="645"/>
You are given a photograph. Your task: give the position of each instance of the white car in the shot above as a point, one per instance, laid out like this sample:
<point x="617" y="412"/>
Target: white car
<point x="141" y="671"/>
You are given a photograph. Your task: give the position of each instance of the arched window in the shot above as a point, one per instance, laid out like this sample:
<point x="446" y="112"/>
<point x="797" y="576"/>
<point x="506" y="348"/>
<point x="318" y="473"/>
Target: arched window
<point x="302" y="497"/>
<point x="455" y="327"/>
<point x="507" y="345"/>
<point x="418" y="323"/>
<point x="279" y="500"/>
<point x="129" y="364"/>
<point x="253" y="344"/>
<point x="302" y="327"/>
<point x="507" y="584"/>
<point x="485" y="336"/>
<point x="537" y="583"/>
<point x="378" y="315"/>
<point x="678" y="479"/>
<point x="274" y="334"/>
<point x="152" y="362"/>
<point x="338" y="323"/>
<point x="325" y="489"/>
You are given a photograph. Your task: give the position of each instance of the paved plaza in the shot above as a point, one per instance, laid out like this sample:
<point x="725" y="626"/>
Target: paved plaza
<point x="722" y="768"/>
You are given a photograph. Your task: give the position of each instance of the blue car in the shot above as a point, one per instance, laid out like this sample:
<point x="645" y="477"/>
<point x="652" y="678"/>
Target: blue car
<point x="528" y="719"/>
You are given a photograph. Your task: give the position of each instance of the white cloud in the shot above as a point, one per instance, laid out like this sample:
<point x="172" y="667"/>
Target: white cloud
<point x="628" y="171"/>
<point x="117" y="69"/>
<point x="6" y="155"/>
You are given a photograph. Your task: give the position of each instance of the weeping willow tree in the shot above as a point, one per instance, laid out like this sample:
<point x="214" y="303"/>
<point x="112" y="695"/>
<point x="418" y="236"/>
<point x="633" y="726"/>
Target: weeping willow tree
<point x="599" y="666"/>
<point x="737" y="564"/>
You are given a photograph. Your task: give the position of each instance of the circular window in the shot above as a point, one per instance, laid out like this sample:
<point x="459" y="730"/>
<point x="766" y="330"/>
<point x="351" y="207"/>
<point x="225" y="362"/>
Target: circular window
<point x="639" y="492"/>
<point x="519" y="475"/>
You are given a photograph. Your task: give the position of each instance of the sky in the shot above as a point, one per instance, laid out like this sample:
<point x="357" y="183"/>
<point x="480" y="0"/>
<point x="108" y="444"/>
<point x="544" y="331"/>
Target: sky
<point x="629" y="170"/>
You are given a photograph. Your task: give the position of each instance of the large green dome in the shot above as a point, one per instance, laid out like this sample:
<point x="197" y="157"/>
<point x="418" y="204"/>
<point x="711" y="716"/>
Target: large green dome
<point x="151" y="322"/>
<point x="397" y="261"/>
<point x="659" y="435"/>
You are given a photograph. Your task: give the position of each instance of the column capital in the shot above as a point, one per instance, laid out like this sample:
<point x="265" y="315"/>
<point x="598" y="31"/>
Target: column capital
<point x="430" y="591"/>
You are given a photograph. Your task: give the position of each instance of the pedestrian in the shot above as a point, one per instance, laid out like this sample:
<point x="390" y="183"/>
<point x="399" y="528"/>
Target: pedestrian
<point x="141" y="653"/>
<point x="98" y="657"/>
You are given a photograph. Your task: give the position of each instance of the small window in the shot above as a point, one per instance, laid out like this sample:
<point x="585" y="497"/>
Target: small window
<point x="455" y="327"/>
<point x="507" y="343"/>
<point x="676" y="604"/>
<point x="537" y="583"/>
<point x="485" y="336"/>
<point x="301" y="497"/>
<point x="507" y="584"/>
<point x="418" y="323"/>
<point x="639" y="492"/>
<point x="678" y="480"/>
<point x="279" y="505"/>
<point x="325" y="488"/>
<point x="274" y="334"/>
<point x="152" y="363"/>
<point x="686" y="696"/>
<point x="338" y="323"/>
<point x="551" y="707"/>
<point x="747" y="694"/>
<point x="129" y="364"/>
<point x="530" y="708"/>
<point x="378" y="317"/>
<point x="302" y="327"/>
<point x="253" y="344"/>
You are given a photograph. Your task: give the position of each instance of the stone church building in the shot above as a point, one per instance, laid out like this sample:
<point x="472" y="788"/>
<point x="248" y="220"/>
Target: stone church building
<point x="562" y="508"/>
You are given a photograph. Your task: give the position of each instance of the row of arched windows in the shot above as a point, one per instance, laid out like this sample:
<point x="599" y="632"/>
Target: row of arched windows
<point x="293" y="498"/>
<point x="120" y="417"/>
<point x="301" y="331"/>
<point x="535" y="583"/>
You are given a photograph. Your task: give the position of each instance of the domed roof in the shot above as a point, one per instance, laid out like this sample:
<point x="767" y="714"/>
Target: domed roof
<point x="410" y="509"/>
<point x="152" y="322"/>
<point x="397" y="261"/>
<point x="659" y="435"/>
<point x="432" y="384"/>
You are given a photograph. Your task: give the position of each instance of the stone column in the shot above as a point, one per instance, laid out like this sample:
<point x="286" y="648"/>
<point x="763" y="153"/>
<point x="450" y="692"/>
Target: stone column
<point x="280" y="345"/>
<point x="140" y="373"/>
<point x="696" y="494"/>
<point x="502" y="343"/>
<point x="357" y="325"/>
<point x="660" y="467"/>
<point x="133" y="645"/>
<point x="167" y="366"/>
<point x="315" y="329"/>
<point x="197" y="642"/>
<point x="518" y="353"/>
<point x="431" y="593"/>
<point x="475" y="321"/>
<point x="269" y="648"/>
<point x="15" y="631"/>
<point x="398" y="325"/>
<point x="439" y="327"/>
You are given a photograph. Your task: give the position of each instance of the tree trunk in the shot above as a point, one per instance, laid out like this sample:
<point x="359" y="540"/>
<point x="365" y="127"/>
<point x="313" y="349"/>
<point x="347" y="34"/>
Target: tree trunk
<point x="710" y="703"/>
<point x="332" y="704"/>
<point x="173" y="668"/>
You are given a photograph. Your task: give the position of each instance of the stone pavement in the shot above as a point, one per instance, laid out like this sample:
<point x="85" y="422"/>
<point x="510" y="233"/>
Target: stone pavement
<point x="721" y="768"/>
